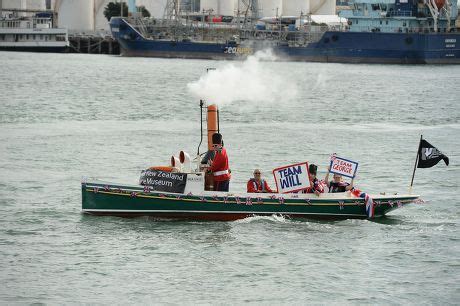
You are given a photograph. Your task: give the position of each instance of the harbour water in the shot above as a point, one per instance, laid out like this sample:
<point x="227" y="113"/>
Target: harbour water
<point x="68" y="116"/>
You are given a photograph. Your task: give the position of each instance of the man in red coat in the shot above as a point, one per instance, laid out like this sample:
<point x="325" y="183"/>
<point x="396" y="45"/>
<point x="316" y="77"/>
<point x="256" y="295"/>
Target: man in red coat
<point x="258" y="184"/>
<point x="219" y="166"/>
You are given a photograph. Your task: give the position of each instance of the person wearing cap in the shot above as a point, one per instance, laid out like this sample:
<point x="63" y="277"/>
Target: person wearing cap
<point x="257" y="184"/>
<point x="219" y="165"/>
<point x="316" y="185"/>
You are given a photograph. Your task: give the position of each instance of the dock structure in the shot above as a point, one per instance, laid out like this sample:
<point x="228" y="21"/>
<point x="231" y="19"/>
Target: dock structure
<point x="93" y="44"/>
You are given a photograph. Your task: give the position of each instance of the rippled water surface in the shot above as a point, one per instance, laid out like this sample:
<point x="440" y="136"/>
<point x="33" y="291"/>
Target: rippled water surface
<point x="68" y="116"/>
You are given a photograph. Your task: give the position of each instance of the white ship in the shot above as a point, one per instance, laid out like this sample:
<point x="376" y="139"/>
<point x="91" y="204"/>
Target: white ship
<point x="35" y="33"/>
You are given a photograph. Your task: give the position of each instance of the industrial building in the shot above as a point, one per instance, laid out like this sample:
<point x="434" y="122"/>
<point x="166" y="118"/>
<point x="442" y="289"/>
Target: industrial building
<point x="86" y="16"/>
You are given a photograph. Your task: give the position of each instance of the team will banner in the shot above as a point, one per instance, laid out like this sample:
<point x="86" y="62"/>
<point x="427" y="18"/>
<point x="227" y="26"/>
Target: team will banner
<point x="164" y="181"/>
<point x="343" y="166"/>
<point x="292" y="178"/>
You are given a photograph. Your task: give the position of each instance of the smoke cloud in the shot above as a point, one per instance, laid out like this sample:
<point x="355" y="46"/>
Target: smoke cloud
<point x="253" y="80"/>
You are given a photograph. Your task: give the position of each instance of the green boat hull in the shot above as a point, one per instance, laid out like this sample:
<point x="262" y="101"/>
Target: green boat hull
<point x="133" y="201"/>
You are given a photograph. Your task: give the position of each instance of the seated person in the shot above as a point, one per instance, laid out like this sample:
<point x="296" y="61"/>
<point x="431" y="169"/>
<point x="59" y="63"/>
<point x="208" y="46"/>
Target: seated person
<point x="317" y="186"/>
<point x="258" y="184"/>
<point x="337" y="184"/>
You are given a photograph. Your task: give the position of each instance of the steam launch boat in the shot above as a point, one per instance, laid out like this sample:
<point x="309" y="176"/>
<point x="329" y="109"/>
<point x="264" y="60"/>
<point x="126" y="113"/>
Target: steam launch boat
<point x="376" y="31"/>
<point x="183" y="190"/>
<point x="35" y="34"/>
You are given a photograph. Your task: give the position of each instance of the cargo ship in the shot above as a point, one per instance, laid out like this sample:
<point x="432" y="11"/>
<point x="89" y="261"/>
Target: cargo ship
<point x="376" y="31"/>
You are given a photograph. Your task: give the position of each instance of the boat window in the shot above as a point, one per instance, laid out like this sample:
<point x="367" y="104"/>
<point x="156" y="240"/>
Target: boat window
<point x="33" y="37"/>
<point x="27" y="36"/>
<point x="2" y="36"/>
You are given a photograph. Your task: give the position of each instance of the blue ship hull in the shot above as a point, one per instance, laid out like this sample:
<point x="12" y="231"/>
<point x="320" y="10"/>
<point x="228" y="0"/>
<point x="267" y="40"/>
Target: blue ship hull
<point x="334" y="46"/>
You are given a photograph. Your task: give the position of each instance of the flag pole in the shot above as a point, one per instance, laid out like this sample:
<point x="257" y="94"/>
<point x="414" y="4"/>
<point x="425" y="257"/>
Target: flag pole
<point x="416" y="161"/>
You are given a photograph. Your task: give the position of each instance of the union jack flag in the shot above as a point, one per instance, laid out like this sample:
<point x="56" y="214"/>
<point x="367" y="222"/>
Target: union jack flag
<point x="248" y="201"/>
<point x="146" y="189"/>
<point x="225" y="199"/>
<point x="189" y="194"/>
<point x="215" y="197"/>
<point x="308" y="201"/>
<point x="106" y="188"/>
<point x="202" y="199"/>
<point x="370" y="207"/>
<point x="260" y="200"/>
<point x="178" y="197"/>
<point x="281" y="200"/>
<point x="133" y="194"/>
<point x="333" y="156"/>
<point x="238" y="201"/>
<point x="399" y="204"/>
<point x="391" y="203"/>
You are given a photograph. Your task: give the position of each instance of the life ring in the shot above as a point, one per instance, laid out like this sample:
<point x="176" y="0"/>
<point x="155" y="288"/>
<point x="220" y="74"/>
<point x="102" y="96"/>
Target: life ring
<point x="162" y="168"/>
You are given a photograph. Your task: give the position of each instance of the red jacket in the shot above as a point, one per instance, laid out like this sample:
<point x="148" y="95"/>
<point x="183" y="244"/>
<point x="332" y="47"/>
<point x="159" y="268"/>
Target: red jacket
<point x="262" y="186"/>
<point x="219" y="166"/>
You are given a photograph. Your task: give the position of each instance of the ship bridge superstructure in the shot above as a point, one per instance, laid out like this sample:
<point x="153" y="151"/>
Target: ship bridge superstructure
<point x="401" y="15"/>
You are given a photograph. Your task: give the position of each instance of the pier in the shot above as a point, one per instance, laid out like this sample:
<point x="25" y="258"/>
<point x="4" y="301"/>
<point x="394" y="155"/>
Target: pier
<point x="93" y="44"/>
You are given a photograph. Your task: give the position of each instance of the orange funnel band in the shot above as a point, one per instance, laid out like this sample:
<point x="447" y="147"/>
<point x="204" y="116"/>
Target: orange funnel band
<point x="212" y="123"/>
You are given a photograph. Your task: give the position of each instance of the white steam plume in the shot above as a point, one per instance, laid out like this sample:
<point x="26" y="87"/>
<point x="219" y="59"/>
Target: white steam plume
<point x="254" y="80"/>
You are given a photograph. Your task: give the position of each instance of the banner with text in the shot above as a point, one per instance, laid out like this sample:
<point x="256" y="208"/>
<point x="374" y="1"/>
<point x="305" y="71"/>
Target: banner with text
<point x="164" y="181"/>
<point x="343" y="166"/>
<point x="292" y="178"/>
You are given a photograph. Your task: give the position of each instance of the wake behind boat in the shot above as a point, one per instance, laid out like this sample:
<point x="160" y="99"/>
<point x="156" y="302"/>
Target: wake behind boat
<point x="185" y="190"/>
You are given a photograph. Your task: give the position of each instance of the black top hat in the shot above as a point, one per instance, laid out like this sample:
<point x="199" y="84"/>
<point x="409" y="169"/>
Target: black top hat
<point x="216" y="138"/>
<point x="312" y="169"/>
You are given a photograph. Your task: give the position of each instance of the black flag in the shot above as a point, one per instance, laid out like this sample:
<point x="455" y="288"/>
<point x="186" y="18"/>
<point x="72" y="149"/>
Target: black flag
<point x="428" y="155"/>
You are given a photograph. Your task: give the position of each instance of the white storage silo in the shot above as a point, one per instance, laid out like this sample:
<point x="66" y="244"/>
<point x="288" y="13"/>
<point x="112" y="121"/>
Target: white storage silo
<point x="156" y="8"/>
<point x="269" y="8"/>
<point x="218" y="7"/>
<point x="14" y="4"/>
<point x="226" y="7"/>
<point x="35" y="4"/>
<point x="101" y="23"/>
<point x="76" y="15"/>
<point x="295" y="7"/>
<point x="322" y="7"/>
<point x="207" y="5"/>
